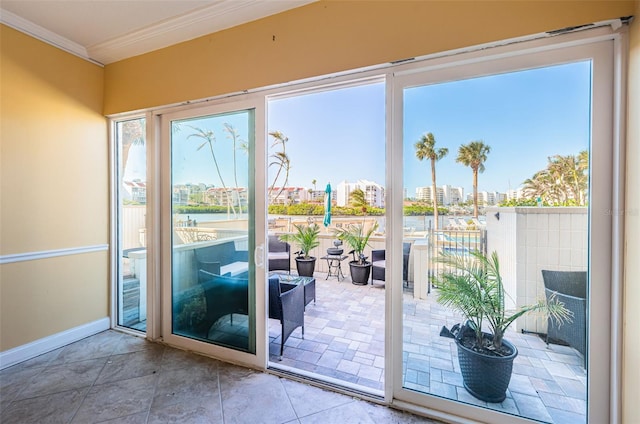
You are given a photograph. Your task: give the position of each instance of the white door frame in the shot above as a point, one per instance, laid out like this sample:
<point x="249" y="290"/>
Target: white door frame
<point x="603" y="258"/>
<point x="164" y="226"/>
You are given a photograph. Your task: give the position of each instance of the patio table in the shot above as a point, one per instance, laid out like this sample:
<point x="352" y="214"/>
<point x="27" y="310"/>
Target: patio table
<point x="334" y="262"/>
<point x="309" y="286"/>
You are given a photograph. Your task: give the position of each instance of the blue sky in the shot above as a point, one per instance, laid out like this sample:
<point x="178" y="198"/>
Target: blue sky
<point x="333" y="135"/>
<point x="524" y="116"/>
<point x="192" y="164"/>
<point x="340" y="134"/>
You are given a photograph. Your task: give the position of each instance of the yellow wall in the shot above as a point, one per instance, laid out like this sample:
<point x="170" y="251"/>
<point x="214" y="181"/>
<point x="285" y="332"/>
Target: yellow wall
<point x="631" y="296"/>
<point x="331" y="36"/>
<point x="53" y="189"/>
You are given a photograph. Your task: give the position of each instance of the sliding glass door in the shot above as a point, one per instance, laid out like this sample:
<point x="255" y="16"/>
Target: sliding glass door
<point x="508" y="151"/>
<point x="209" y="242"/>
<point x="514" y="154"/>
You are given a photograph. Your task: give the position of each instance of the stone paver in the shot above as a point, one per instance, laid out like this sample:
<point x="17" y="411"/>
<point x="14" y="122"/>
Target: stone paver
<point x="344" y="339"/>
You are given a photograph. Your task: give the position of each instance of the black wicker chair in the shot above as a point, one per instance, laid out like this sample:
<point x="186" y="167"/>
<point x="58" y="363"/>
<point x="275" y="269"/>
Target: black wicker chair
<point x="222" y="259"/>
<point x="279" y="255"/>
<point x="569" y="288"/>
<point x="224" y="296"/>
<point x="286" y="304"/>
<point x="378" y="263"/>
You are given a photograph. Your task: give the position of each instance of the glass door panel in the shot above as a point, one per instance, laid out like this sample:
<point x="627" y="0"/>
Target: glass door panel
<point x="131" y="214"/>
<point x="212" y="229"/>
<point x="511" y="155"/>
<point x="533" y="191"/>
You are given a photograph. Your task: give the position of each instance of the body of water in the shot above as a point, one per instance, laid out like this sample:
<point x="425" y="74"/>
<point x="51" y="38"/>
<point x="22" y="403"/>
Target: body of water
<point x="412" y="223"/>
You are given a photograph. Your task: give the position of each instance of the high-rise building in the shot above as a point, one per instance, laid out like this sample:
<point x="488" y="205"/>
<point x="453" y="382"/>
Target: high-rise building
<point x="373" y="192"/>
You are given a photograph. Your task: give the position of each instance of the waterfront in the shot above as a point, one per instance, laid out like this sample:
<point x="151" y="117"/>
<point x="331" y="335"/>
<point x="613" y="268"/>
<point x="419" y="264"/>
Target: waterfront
<point x="410" y="223"/>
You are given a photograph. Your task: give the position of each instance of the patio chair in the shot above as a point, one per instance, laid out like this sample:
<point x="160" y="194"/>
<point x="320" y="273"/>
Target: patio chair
<point x="224" y="296"/>
<point x="378" y="265"/>
<point x="569" y="288"/>
<point x="286" y="304"/>
<point x="279" y="254"/>
<point x="222" y="259"/>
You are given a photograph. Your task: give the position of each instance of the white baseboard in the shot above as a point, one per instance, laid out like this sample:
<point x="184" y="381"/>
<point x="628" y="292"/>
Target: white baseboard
<point x="31" y="350"/>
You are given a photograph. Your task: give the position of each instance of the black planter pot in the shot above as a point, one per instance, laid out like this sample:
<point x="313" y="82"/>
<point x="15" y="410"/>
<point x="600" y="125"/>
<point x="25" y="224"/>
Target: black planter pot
<point x="306" y="267"/>
<point x="486" y="377"/>
<point x="360" y="273"/>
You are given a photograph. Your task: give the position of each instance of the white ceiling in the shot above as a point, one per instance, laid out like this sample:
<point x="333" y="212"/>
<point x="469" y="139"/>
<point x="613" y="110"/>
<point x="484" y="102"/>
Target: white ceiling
<point x="106" y="31"/>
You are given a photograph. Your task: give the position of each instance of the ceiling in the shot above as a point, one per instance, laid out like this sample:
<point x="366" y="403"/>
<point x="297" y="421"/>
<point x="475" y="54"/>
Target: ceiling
<point x="105" y="31"/>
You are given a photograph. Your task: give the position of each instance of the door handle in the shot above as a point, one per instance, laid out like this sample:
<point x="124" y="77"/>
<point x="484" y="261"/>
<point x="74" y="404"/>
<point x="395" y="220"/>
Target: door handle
<point x="258" y="255"/>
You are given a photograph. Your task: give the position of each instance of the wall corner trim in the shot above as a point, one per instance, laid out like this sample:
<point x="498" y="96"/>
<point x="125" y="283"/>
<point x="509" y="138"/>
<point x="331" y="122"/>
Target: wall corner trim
<point x="31" y="350"/>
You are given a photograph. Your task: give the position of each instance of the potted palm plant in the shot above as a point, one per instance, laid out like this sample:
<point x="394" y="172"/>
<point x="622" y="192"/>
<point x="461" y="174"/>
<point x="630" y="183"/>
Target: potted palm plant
<point x="473" y="286"/>
<point x="306" y="238"/>
<point x="358" y="239"/>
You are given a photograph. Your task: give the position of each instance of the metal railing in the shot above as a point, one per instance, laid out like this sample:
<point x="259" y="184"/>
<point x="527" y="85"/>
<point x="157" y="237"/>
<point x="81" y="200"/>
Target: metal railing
<point x="459" y="242"/>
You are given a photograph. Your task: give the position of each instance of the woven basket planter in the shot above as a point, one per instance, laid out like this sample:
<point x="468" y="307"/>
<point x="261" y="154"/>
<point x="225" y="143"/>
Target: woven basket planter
<point x="486" y="377"/>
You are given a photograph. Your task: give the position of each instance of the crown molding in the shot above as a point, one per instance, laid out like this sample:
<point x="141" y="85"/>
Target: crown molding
<point x="221" y="15"/>
<point x="36" y="31"/>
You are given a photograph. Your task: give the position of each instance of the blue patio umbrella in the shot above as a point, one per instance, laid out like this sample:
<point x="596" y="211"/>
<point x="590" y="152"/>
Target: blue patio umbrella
<point x="327" y="205"/>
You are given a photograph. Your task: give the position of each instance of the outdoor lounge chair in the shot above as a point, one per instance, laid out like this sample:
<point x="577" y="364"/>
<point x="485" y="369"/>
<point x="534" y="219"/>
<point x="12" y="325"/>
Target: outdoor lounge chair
<point x="378" y="264"/>
<point x="223" y="296"/>
<point x="223" y="259"/>
<point x="286" y="304"/>
<point x="279" y="254"/>
<point x="569" y="288"/>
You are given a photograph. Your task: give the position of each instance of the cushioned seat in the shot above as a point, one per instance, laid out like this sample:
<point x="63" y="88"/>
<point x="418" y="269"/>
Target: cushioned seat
<point x="378" y="263"/>
<point x="235" y="269"/>
<point x="222" y="259"/>
<point x="279" y="254"/>
<point x="223" y="296"/>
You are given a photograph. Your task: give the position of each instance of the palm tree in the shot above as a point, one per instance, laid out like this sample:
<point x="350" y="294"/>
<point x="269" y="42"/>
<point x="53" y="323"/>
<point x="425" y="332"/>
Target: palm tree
<point x="425" y="149"/>
<point x="541" y="185"/>
<point x="359" y="200"/>
<point x="314" y="181"/>
<point x="133" y="134"/>
<point x="209" y="138"/>
<point x="237" y="144"/>
<point x="571" y="173"/>
<point x="281" y="160"/>
<point x="565" y="179"/>
<point x="474" y="155"/>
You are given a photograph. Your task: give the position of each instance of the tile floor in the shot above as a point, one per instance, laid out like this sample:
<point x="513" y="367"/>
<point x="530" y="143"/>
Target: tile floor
<point x="344" y="335"/>
<point x="344" y="339"/>
<point x="117" y="378"/>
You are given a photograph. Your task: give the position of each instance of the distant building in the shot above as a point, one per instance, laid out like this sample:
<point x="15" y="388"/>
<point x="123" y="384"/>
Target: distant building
<point x="181" y="195"/>
<point x="219" y="196"/>
<point x="489" y="198"/>
<point x="289" y="195"/>
<point x="515" y="194"/>
<point x="446" y="195"/>
<point x="135" y="191"/>
<point x="373" y="192"/>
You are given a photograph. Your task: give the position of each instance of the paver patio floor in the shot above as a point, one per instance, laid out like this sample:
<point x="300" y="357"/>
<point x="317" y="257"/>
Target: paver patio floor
<point x="344" y="340"/>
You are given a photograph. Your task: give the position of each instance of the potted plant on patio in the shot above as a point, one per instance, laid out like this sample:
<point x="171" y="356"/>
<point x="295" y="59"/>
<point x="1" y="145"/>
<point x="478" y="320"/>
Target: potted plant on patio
<point x="473" y="286"/>
<point x="306" y="238"/>
<point x="358" y="239"/>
